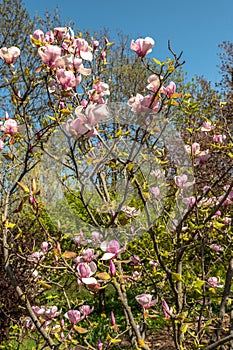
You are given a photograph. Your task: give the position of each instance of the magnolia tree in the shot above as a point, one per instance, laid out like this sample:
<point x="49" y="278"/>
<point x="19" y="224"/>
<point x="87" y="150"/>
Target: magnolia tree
<point x="110" y="227"/>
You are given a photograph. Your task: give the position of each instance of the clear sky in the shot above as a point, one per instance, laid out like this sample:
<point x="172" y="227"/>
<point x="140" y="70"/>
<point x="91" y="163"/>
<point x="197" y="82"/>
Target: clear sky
<point x="194" y="26"/>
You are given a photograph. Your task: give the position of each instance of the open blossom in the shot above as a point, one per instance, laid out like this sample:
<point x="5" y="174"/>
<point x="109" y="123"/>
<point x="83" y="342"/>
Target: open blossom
<point x="194" y="149"/>
<point x="140" y="103"/>
<point x="112" y="249"/>
<point x="74" y="316"/>
<point x="214" y="281"/>
<point x="85" y="271"/>
<point x="81" y="48"/>
<point x="145" y="300"/>
<point x="86" y="121"/>
<point x="67" y="79"/>
<point x="49" y="54"/>
<point x="9" y="55"/>
<point x="11" y="127"/>
<point x="219" y="138"/>
<point x="169" y="90"/>
<point x="203" y="156"/>
<point x="207" y="126"/>
<point x="130" y="212"/>
<point x="47" y="312"/>
<point x="181" y="180"/>
<point x="154" y="83"/>
<point x="142" y="46"/>
<point x="86" y="310"/>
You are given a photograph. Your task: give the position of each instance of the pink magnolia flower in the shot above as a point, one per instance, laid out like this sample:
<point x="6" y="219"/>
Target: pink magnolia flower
<point x="140" y="104"/>
<point x="87" y="256"/>
<point x="181" y="180"/>
<point x="71" y="62"/>
<point x="216" y="247"/>
<point x="169" y="90"/>
<point x="154" y="83"/>
<point x="155" y="191"/>
<point x="189" y="201"/>
<point x="142" y="46"/>
<point x="207" y="126"/>
<point x="49" y="54"/>
<point x="95" y="44"/>
<point x="85" y="271"/>
<point x="145" y="300"/>
<point x="9" y="55"/>
<point x="219" y="138"/>
<point x="2" y="145"/>
<point x="214" y="281"/>
<point x="38" y="35"/>
<point x="86" y="121"/>
<point x="81" y="48"/>
<point x="112" y="249"/>
<point x="112" y="268"/>
<point x="74" y="316"/>
<point x="67" y="79"/>
<point x="10" y="127"/>
<point x="166" y="310"/>
<point x="86" y="310"/>
<point x="203" y="156"/>
<point x="130" y="212"/>
<point x="51" y="312"/>
<point x="194" y="149"/>
<point x="112" y="319"/>
<point x="44" y="246"/>
<point x="60" y="32"/>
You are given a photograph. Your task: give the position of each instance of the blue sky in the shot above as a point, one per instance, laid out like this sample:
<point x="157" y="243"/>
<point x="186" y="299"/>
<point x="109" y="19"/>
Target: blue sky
<point x="194" y="27"/>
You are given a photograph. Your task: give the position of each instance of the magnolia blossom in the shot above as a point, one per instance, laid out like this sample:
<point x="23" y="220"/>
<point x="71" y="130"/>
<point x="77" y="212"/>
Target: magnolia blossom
<point x="86" y="310"/>
<point x="87" y="256"/>
<point x="85" y="271"/>
<point x="216" y="247"/>
<point x="142" y="46"/>
<point x="207" y="126"/>
<point x="86" y="121"/>
<point x="95" y="44"/>
<point x="194" y="149"/>
<point x="140" y="104"/>
<point x="130" y="212"/>
<point x="11" y="127"/>
<point x="2" y="145"/>
<point x="219" y="138"/>
<point x="9" y="55"/>
<point x="166" y="310"/>
<point x="71" y="62"/>
<point x="100" y="89"/>
<point x="44" y="246"/>
<point x="81" y="48"/>
<point x="203" y="156"/>
<point x="181" y="180"/>
<point x="145" y="300"/>
<point x="112" y="268"/>
<point x="214" y="281"/>
<point x="49" y="54"/>
<point x="155" y="191"/>
<point x="47" y="312"/>
<point x="67" y="79"/>
<point x="74" y="316"/>
<point x="169" y="90"/>
<point x="189" y="201"/>
<point x="154" y="83"/>
<point x="112" y="249"/>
